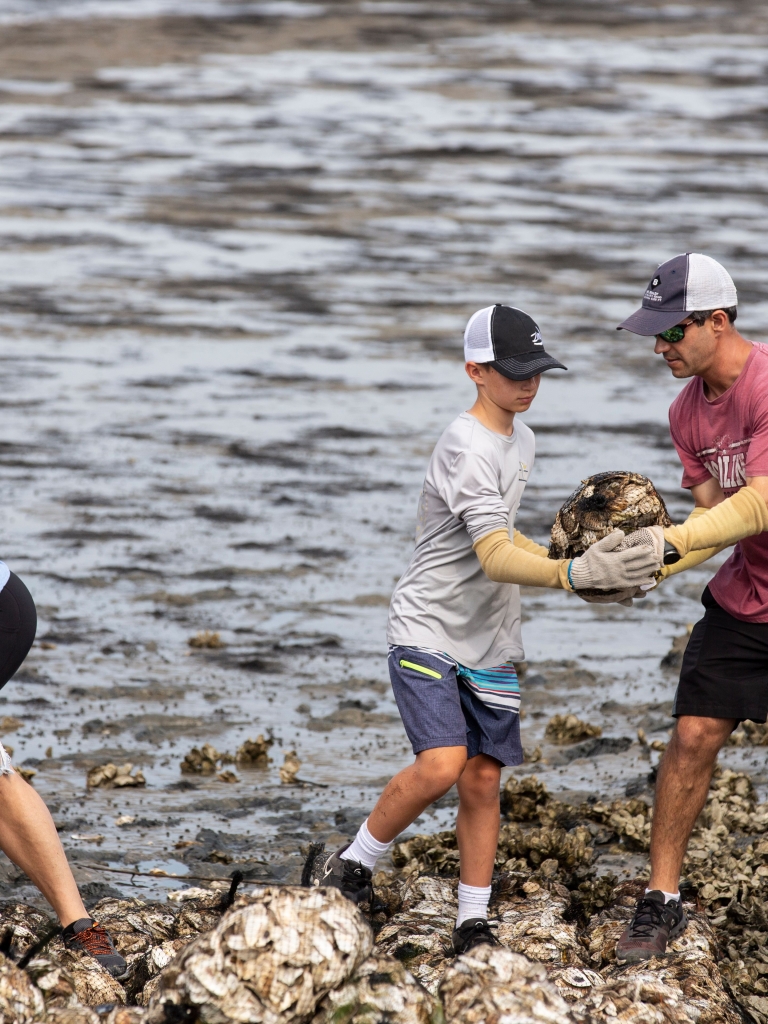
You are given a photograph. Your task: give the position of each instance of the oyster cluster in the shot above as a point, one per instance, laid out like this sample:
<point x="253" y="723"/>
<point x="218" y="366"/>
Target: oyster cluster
<point x="563" y="729"/>
<point x="602" y="503"/>
<point x="114" y="776"/>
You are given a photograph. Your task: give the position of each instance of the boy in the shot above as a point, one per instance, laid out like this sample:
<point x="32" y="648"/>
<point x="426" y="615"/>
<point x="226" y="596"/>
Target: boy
<point x="454" y="620"/>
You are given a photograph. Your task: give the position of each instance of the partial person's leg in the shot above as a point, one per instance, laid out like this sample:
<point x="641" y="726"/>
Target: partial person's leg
<point x="682" y="785"/>
<point x="29" y="838"/>
<point x="28" y="835"/>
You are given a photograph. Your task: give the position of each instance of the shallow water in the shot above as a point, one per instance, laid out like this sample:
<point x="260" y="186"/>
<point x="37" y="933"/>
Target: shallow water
<point x="239" y="246"/>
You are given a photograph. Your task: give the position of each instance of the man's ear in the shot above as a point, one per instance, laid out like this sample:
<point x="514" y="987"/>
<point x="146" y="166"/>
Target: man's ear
<point x="720" y="321"/>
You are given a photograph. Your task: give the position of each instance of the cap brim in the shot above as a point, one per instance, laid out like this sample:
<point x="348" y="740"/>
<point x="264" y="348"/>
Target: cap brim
<point x="524" y="369"/>
<point x="649" y="322"/>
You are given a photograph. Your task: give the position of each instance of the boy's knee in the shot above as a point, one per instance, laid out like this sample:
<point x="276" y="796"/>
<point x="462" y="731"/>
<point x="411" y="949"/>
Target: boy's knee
<point x="443" y="766"/>
<point x="483" y="778"/>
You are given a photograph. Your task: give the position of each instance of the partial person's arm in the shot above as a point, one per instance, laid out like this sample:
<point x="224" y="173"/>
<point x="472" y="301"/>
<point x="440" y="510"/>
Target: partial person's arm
<point x="742" y="515"/>
<point x="521" y="541"/>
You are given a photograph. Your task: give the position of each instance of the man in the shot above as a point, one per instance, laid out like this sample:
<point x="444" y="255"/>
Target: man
<point x="719" y="425"/>
<point x="454" y="621"/>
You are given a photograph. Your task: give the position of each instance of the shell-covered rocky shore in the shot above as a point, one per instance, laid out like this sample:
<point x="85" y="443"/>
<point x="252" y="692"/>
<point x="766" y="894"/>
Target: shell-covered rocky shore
<point x="296" y="955"/>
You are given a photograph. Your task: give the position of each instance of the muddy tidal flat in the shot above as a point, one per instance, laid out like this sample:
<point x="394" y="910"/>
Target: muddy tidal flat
<point x="239" y="242"/>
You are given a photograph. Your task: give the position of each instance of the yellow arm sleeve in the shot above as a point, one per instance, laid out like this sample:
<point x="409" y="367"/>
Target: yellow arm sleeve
<point x="693" y="557"/>
<point x="521" y="541"/>
<point x="742" y="515"/>
<point x="505" y="562"/>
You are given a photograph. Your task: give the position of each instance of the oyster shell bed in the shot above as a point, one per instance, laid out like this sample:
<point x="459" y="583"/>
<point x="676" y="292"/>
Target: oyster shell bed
<point x="288" y="954"/>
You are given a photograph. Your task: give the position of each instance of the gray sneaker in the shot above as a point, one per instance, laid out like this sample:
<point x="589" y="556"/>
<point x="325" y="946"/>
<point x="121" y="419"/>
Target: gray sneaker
<point x="654" y="923"/>
<point x="349" y="876"/>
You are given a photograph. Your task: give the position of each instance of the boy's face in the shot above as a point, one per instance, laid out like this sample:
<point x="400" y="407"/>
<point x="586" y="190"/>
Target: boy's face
<point x="510" y="395"/>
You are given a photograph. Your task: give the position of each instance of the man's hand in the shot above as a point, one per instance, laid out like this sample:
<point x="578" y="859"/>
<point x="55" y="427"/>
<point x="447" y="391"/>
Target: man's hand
<point x="605" y="567"/>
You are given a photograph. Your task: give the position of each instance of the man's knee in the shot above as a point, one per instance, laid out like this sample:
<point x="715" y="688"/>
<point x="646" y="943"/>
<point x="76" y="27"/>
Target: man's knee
<point x="700" y="739"/>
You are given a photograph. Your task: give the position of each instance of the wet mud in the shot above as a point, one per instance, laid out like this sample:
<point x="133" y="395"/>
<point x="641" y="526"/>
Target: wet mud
<point x="240" y="242"/>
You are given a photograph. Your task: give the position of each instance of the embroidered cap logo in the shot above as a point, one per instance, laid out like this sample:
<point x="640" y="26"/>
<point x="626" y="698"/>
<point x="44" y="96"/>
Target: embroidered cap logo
<point x="536" y="338"/>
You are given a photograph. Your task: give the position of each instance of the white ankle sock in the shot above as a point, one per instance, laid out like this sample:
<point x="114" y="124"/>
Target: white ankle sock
<point x="667" y="895"/>
<point x="365" y="849"/>
<point x="473" y="902"/>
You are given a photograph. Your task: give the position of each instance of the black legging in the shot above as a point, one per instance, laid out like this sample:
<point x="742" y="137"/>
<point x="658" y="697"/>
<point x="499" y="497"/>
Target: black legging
<point x="18" y="625"/>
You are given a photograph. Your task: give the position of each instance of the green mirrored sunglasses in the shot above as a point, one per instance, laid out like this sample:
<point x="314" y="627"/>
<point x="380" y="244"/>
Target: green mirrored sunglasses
<point x="676" y="333"/>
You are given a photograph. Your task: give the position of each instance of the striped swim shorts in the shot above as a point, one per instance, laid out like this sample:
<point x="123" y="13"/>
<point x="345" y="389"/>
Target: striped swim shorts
<point x="444" y="704"/>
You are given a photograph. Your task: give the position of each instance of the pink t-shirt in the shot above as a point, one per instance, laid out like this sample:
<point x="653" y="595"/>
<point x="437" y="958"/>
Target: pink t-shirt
<point x="728" y="439"/>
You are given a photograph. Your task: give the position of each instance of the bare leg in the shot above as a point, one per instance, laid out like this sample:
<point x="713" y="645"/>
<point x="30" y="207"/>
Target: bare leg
<point x="477" y="823"/>
<point x="29" y="838"/>
<point x="681" y="792"/>
<point x="414" y="788"/>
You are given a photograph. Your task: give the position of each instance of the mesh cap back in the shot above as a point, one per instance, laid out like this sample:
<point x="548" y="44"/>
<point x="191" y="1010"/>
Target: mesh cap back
<point x="478" y="343"/>
<point x="710" y="286"/>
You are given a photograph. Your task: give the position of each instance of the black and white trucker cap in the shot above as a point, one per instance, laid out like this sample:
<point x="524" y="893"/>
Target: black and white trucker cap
<point x="684" y="284"/>
<point x="509" y="340"/>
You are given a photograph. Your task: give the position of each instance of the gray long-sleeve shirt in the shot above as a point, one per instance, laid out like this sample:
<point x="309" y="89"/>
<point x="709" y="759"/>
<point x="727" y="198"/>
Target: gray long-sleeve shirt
<point x="444" y="600"/>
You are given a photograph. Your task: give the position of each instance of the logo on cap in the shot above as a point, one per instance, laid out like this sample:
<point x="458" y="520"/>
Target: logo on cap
<point x="655" y="282"/>
<point x="536" y="338"/>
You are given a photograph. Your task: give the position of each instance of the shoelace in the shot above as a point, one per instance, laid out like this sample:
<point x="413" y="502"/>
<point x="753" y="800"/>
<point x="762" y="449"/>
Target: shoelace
<point x="94" y="940"/>
<point x="649" y="915"/>
<point x="353" y="873"/>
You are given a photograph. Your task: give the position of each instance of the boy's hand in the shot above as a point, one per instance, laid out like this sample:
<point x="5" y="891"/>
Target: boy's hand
<point x="605" y="567"/>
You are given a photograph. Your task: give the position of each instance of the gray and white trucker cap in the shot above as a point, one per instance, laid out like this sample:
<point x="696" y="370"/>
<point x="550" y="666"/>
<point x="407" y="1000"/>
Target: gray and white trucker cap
<point x="509" y="340"/>
<point x="684" y="284"/>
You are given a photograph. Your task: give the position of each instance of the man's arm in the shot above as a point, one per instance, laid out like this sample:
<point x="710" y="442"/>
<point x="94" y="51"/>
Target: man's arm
<point x="708" y="494"/>
<point x="726" y="521"/>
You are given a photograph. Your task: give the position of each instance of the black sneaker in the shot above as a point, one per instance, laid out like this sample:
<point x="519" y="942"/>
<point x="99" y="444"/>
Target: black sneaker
<point x="654" y="923"/>
<point x="349" y="876"/>
<point x="88" y="936"/>
<point x="474" y="932"/>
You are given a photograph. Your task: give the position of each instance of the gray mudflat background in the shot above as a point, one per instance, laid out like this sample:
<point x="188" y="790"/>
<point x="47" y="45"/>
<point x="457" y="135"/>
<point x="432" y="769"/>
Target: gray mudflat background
<point x="238" y="246"/>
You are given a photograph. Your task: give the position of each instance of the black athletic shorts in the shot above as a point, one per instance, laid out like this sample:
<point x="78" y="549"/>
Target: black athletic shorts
<point x="725" y="667"/>
<point x="18" y="624"/>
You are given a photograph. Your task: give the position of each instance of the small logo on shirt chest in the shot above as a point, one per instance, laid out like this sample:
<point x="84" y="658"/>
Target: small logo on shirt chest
<point x="524" y="471"/>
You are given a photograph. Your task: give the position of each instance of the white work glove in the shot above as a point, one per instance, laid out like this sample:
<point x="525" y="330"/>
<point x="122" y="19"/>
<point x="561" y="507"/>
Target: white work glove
<point x="605" y="567"/>
<point x="653" y="536"/>
<point x="625" y="597"/>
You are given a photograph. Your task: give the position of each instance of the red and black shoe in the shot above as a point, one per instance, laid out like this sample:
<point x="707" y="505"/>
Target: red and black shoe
<point x="88" y="936"/>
